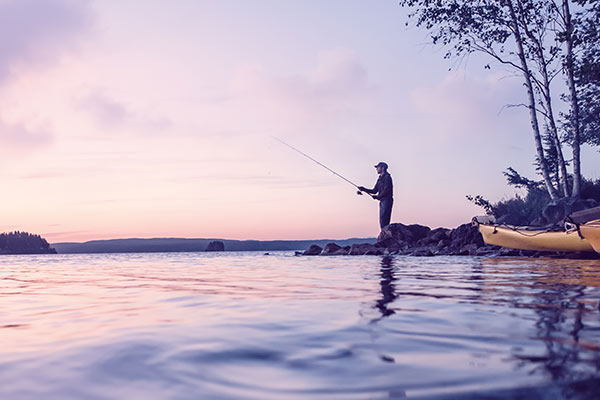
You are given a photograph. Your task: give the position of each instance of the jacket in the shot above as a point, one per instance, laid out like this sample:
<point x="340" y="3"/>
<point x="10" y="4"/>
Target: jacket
<point x="384" y="187"/>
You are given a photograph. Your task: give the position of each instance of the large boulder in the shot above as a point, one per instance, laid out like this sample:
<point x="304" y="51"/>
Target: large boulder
<point x="556" y="211"/>
<point x="397" y="233"/>
<point x="465" y="234"/>
<point x="439" y="234"/>
<point x="313" y="250"/>
<point x="215" y="246"/>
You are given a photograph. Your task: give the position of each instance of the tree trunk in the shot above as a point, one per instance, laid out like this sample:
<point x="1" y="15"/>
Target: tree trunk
<point x="575" y="123"/>
<point x="532" y="111"/>
<point x="547" y="98"/>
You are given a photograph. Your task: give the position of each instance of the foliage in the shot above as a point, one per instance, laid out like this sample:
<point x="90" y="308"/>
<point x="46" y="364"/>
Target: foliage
<point x="523" y="210"/>
<point x="590" y="189"/>
<point x="540" y="40"/>
<point x="478" y="200"/>
<point x="587" y="70"/>
<point x="515" y="179"/>
<point x="23" y="243"/>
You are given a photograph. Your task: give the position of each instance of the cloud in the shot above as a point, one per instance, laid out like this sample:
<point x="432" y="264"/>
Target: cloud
<point x="17" y="138"/>
<point x="106" y="111"/>
<point x="34" y="34"/>
<point x="37" y="32"/>
<point x="335" y="92"/>
<point x="110" y="113"/>
<point x="460" y="107"/>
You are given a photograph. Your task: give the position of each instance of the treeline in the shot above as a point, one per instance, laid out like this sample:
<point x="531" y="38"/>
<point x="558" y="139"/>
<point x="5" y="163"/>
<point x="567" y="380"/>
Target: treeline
<point x="24" y="243"/>
<point x="168" y="245"/>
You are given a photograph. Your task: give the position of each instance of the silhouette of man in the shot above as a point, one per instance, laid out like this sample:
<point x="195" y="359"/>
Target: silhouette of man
<point x="384" y="192"/>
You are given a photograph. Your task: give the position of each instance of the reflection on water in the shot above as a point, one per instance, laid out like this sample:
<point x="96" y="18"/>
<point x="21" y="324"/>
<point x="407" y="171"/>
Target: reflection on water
<point x="248" y="326"/>
<point x="566" y="319"/>
<point x="388" y="294"/>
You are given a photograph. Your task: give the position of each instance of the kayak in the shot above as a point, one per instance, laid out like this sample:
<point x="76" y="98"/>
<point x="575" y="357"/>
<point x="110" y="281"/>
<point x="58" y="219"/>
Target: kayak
<point x="591" y="231"/>
<point x="537" y="239"/>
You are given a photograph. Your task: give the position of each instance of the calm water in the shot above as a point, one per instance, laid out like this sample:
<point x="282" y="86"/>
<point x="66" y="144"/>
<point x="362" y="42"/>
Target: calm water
<point x="248" y="326"/>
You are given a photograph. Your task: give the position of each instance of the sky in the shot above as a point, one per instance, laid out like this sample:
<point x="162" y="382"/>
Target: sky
<point x="146" y="118"/>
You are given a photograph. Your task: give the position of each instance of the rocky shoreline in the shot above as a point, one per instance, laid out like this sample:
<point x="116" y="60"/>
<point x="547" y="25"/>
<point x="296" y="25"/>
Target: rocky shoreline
<point x="422" y="241"/>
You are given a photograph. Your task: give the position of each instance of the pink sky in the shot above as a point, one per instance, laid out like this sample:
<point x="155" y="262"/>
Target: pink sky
<point x="154" y="119"/>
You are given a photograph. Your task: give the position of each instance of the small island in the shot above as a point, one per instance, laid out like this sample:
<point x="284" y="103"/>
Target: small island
<point x="24" y="243"/>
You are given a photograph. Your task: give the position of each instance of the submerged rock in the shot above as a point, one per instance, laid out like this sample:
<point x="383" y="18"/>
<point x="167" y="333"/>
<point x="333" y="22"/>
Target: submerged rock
<point x="216" y="246"/>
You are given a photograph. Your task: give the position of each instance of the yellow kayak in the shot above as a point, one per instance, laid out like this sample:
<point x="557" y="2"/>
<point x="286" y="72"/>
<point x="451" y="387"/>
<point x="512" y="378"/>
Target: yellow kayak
<point x="540" y="240"/>
<point x="591" y="231"/>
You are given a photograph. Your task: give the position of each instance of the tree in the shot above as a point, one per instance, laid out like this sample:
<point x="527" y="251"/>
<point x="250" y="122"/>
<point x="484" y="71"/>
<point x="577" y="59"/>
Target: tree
<point x="586" y="70"/>
<point x="540" y="40"/>
<point x="574" y="117"/>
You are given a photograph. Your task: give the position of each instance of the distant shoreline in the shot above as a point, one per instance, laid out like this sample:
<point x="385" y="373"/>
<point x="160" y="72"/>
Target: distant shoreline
<point x="175" y="245"/>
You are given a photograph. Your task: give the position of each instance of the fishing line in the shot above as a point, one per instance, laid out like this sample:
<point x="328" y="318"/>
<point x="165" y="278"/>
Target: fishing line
<point x="319" y="163"/>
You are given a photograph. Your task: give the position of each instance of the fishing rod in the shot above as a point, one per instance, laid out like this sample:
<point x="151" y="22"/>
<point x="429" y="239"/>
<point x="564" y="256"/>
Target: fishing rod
<point x="319" y="163"/>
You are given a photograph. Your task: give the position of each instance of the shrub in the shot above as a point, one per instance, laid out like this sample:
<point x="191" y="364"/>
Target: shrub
<point x="523" y="210"/>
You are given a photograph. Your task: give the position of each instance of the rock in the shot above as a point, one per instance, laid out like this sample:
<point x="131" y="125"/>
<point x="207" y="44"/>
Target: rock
<point x="375" y="251"/>
<point x="487" y="250"/>
<point x="442" y="251"/>
<point x="483" y="251"/>
<point x="313" y="250"/>
<point x="266" y="254"/>
<point x="330" y="248"/>
<point x="469" y="249"/>
<point x="438" y="234"/>
<point x="556" y="211"/>
<point x="359" y="249"/>
<point x="419" y="231"/>
<point x="527" y="253"/>
<point x="423" y="252"/>
<point x="443" y="243"/>
<point x="395" y="248"/>
<point x="466" y="234"/>
<point x="341" y="252"/>
<point x="423" y="242"/>
<point x="298" y="253"/>
<point x="505" y="251"/>
<point x="395" y="233"/>
<point x="215" y="246"/>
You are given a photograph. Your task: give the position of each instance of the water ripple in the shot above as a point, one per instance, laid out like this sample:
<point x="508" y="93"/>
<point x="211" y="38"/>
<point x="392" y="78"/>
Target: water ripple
<point x="247" y="326"/>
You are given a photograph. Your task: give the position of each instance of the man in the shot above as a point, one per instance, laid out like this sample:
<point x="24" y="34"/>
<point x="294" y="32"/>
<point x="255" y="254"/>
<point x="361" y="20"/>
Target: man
<point x="384" y="192"/>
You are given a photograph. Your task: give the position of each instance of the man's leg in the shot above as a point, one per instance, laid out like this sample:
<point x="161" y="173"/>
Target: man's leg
<point x="385" y="212"/>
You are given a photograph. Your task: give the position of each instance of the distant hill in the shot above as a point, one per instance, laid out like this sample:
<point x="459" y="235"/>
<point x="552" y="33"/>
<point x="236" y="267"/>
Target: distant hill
<point x="24" y="243"/>
<point x="180" y="245"/>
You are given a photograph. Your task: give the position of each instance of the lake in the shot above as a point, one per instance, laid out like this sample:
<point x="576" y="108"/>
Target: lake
<point x="252" y="326"/>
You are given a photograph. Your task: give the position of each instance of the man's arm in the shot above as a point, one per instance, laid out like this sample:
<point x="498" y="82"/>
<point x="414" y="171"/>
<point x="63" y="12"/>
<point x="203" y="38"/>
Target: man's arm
<point x="370" y="191"/>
